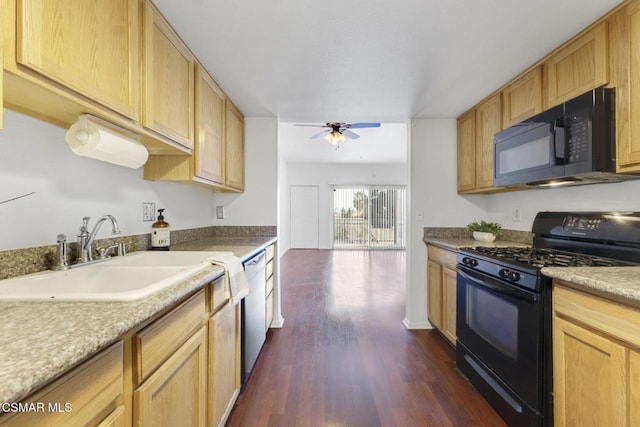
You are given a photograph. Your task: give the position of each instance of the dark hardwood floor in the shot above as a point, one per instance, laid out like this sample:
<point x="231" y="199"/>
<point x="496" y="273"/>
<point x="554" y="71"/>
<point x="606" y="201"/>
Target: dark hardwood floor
<point x="344" y="358"/>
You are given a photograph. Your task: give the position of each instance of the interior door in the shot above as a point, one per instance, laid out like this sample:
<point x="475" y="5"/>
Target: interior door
<point x="304" y="217"/>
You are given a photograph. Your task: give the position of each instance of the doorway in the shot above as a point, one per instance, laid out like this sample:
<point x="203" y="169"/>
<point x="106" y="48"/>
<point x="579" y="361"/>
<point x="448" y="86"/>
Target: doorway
<point x="369" y="217"/>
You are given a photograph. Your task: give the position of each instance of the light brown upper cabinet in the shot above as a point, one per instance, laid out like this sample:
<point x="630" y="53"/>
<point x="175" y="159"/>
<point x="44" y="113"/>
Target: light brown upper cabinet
<point x="577" y="67"/>
<point x="625" y="77"/>
<point x="210" y="113"/>
<point x="488" y="122"/>
<point x="467" y="151"/>
<point x="168" y="80"/>
<point x="234" y="137"/>
<point x="207" y="164"/>
<point x="522" y="98"/>
<point x="475" y="146"/>
<point x="89" y="47"/>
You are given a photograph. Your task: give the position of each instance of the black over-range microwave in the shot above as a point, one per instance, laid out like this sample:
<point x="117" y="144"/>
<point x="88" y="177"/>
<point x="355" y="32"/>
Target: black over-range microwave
<point x="572" y="143"/>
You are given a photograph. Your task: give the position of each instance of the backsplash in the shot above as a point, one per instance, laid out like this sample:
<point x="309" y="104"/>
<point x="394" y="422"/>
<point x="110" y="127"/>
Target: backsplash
<point x="516" y="236"/>
<point x="18" y="262"/>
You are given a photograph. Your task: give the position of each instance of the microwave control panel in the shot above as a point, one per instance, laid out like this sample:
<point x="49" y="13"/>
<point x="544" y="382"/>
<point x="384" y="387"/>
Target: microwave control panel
<point x="578" y="126"/>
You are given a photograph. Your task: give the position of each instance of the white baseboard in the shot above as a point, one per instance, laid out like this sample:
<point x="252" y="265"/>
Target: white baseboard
<point x="417" y="325"/>
<point x="277" y="323"/>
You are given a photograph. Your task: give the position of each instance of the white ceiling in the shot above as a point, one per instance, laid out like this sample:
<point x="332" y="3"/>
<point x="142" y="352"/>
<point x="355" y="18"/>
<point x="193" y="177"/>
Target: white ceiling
<point x="379" y="60"/>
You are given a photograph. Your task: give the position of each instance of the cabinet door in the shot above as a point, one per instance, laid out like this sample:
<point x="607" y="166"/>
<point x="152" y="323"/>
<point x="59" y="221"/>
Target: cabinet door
<point x="434" y="293"/>
<point x="580" y="66"/>
<point x="168" y="80"/>
<point x="467" y="151"/>
<point x="174" y="395"/>
<point x="90" y="47"/>
<point x="634" y="388"/>
<point x="209" y="152"/>
<point x="235" y="146"/>
<point x="625" y="77"/>
<point x="449" y="304"/>
<point x="590" y="377"/>
<point x="488" y="122"/>
<point x="522" y="98"/>
<point x="224" y="363"/>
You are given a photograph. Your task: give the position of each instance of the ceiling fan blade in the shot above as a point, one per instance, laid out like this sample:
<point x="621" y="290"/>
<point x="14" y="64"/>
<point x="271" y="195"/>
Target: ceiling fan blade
<point x="320" y="134"/>
<point x="350" y="134"/>
<point x="311" y="126"/>
<point x="363" y="125"/>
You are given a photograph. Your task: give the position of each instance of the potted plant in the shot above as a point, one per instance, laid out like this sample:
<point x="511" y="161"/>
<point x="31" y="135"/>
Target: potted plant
<point x="485" y="231"/>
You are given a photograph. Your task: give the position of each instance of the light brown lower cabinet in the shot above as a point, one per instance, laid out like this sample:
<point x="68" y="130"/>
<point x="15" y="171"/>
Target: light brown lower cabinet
<point x="87" y="395"/>
<point x="441" y="290"/>
<point x="174" y="395"/>
<point x="596" y="360"/>
<point x="224" y="363"/>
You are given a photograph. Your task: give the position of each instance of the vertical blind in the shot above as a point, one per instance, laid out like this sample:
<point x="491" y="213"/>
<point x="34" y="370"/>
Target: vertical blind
<point x="369" y="216"/>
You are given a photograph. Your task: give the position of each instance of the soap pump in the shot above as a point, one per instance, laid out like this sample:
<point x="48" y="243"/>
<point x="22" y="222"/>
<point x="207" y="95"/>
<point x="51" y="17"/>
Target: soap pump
<point x="160" y="234"/>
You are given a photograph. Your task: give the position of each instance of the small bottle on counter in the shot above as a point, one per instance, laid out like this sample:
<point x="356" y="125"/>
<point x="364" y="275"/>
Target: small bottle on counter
<point x="160" y="234"/>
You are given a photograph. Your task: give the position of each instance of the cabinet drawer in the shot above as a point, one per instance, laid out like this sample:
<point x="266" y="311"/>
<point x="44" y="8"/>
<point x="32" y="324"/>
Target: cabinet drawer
<point x="442" y="256"/>
<point x="90" y="389"/>
<point x="269" y="285"/>
<point x="269" y="309"/>
<point x="268" y="269"/>
<point x="216" y="295"/>
<point x="115" y="419"/>
<point x="155" y="343"/>
<point x="599" y="314"/>
<point x="270" y="252"/>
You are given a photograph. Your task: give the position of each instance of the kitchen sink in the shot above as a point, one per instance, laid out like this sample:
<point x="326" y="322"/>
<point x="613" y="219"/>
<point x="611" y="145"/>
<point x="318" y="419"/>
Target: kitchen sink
<point x="125" y="278"/>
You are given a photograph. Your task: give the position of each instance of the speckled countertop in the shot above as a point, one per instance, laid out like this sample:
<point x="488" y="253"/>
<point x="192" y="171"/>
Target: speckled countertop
<point x="620" y="284"/>
<point x="41" y="340"/>
<point x="455" y="243"/>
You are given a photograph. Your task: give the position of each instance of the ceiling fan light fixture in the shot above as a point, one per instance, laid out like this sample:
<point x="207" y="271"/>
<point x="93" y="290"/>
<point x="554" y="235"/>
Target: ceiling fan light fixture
<point x="335" y="138"/>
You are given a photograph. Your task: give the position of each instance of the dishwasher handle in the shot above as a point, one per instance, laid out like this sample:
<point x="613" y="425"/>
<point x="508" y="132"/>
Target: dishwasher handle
<point x="255" y="260"/>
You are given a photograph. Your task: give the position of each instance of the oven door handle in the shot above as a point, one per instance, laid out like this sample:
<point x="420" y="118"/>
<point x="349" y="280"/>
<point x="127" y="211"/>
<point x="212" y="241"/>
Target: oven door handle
<point x="494" y="285"/>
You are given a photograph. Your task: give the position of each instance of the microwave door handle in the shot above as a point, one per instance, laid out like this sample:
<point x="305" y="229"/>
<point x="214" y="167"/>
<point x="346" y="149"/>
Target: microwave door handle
<point x="559" y="141"/>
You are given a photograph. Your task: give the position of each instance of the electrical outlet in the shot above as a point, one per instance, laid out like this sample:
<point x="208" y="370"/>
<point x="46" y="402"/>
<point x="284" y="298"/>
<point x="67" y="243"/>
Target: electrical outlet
<point x="220" y="212"/>
<point x="148" y="211"/>
<point x="517" y="214"/>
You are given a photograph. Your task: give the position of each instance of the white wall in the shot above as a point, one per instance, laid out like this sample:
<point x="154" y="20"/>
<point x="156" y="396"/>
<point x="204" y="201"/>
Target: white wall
<point x="434" y="203"/>
<point x="596" y="197"/>
<point x="258" y="204"/>
<point x="35" y="157"/>
<point x="324" y="175"/>
<point x="284" y="213"/>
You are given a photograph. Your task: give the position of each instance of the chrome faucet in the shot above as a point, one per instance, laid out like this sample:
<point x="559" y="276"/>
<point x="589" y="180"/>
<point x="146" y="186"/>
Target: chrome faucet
<point x="85" y="239"/>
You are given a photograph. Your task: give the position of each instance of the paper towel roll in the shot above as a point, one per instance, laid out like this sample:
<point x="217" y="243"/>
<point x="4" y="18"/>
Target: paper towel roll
<point x="90" y="138"/>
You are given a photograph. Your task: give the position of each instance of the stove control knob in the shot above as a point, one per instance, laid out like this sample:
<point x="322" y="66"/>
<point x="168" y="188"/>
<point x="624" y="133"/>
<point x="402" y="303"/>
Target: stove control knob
<point x="504" y="273"/>
<point x="514" y="276"/>
<point x="469" y="261"/>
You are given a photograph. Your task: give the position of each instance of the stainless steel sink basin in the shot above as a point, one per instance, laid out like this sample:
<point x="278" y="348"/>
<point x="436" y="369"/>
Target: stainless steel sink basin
<point x="130" y="277"/>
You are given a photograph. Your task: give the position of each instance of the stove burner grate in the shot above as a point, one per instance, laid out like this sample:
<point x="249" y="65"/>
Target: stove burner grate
<point x="544" y="257"/>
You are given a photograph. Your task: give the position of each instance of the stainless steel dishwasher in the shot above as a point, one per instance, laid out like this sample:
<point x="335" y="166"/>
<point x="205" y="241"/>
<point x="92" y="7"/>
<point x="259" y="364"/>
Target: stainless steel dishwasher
<point x="253" y="314"/>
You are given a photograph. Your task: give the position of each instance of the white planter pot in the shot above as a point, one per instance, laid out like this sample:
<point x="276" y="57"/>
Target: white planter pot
<point x="484" y="237"/>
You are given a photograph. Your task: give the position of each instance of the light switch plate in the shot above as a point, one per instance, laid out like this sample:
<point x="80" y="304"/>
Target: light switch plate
<point x="220" y="212"/>
<point x="148" y="211"/>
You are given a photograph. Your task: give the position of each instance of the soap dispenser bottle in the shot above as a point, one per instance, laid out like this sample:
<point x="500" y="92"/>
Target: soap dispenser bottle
<point x="160" y="234"/>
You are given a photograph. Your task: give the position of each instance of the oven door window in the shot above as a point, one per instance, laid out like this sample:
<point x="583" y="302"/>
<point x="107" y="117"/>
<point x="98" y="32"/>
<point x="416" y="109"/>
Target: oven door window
<point x="502" y="325"/>
<point x="498" y="326"/>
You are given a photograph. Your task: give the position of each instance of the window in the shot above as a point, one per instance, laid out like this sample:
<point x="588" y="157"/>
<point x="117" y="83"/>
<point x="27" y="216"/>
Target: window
<point x="369" y="216"/>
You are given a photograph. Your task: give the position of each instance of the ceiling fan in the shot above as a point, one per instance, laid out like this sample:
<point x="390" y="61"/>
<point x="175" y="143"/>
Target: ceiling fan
<point x="337" y="132"/>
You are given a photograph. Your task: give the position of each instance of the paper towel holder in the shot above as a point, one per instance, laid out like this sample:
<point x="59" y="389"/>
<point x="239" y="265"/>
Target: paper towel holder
<point x="93" y="137"/>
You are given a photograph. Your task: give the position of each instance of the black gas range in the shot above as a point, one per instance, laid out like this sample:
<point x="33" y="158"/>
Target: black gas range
<point x="504" y="305"/>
